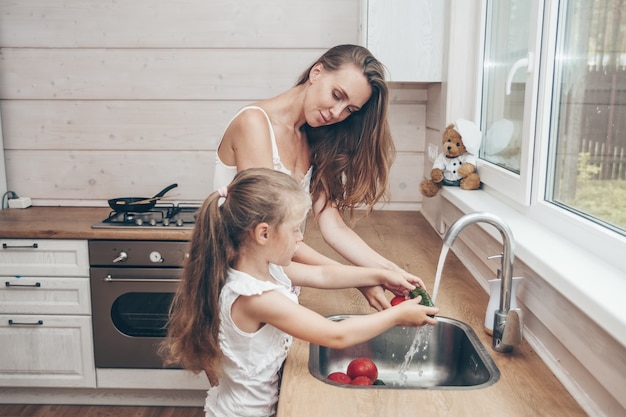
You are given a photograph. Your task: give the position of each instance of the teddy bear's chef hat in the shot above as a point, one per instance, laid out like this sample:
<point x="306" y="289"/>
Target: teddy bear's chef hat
<point x="470" y="133"/>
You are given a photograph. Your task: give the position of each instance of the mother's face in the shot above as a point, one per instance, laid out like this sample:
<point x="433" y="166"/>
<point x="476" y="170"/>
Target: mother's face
<point x="332" y="96"/>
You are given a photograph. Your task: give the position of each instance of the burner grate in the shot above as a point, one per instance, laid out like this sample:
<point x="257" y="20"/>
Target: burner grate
<point x="181" y="215"/>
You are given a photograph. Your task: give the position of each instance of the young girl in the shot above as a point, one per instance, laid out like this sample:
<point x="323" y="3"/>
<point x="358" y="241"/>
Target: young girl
<point x="329" y="132"/>
<point x="235" y="311"/>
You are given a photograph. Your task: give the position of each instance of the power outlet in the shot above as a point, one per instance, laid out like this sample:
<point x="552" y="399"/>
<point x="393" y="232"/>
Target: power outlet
<point x="21" y="202"/>
<point x="433" y="151"/>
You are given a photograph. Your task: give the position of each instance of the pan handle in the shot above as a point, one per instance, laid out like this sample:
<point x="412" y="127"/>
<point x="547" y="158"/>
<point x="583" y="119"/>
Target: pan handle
<point x="165" y="190"/>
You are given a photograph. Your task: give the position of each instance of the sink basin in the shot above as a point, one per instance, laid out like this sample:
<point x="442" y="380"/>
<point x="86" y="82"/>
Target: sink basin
<point x="449" y="356"/>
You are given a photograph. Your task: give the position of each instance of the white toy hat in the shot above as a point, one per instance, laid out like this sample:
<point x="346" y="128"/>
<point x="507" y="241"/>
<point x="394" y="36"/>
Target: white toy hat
<point x="472" y="137"/>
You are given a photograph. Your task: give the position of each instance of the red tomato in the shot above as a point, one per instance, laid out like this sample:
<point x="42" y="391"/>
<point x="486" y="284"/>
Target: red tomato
<point x="363" y="367"/>
<point x="339" y="377"/>
<point x="396" y="300"/>
<point x="361" y="380"/>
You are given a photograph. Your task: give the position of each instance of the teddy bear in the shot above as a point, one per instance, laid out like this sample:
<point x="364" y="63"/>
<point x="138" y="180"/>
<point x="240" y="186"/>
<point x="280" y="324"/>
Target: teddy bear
<point x="456" y="165"/>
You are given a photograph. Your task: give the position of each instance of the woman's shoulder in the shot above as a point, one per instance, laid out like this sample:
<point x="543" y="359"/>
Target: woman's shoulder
<point x="252" y="114"/>
<point x="248" y="123"/>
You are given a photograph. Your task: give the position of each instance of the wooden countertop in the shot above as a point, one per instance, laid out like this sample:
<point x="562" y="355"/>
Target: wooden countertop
<point x="526" y="388"/>
<point x="74" y="223"/>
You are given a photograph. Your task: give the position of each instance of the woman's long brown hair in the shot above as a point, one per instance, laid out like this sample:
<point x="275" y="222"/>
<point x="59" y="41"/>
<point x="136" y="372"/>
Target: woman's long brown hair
<point x="351" y="159"/>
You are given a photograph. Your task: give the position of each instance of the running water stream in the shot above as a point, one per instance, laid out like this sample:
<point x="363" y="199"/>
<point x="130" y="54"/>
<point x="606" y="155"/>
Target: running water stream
<point x="423" y="333"/>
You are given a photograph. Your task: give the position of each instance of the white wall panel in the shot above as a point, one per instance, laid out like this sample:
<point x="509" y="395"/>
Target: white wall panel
<point x="106" y="98"/>
<point x="160" y="74"/>
<point x="178" y="24"/>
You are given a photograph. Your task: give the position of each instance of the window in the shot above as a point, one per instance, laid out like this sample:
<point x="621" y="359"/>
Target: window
<point x="509" y="95"/>
<point x="588" y="115"/>
<point x="553" y="114"/>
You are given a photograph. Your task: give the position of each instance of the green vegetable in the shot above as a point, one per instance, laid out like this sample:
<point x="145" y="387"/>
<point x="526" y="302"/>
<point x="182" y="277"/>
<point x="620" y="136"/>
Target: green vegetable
<point x="378" y="382"/>
<point x="426" y="300"/>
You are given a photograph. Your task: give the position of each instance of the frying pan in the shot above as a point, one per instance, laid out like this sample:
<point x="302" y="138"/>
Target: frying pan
<point x="138" y="204"/>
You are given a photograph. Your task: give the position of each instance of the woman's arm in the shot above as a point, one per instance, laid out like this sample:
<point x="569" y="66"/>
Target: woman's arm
<point x="348" y="244"/>
<point x="274" y="308"/>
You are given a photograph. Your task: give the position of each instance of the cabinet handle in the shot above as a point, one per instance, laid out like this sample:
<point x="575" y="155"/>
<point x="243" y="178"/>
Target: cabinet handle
<point x="17" y="323"/>
<point x="7" y="246"/>
<point x="9" y="284"/>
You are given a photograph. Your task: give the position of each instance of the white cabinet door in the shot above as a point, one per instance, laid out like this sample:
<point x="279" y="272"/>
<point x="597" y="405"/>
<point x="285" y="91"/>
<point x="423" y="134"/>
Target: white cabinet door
<point x="44" y="257"/>
<point x="46" y="351"/>
<point x="37" y="295"/>
<point x="406" y="36"/>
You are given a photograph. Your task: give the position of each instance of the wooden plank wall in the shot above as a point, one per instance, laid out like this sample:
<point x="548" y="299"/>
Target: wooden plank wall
<point x="106" y="98"/>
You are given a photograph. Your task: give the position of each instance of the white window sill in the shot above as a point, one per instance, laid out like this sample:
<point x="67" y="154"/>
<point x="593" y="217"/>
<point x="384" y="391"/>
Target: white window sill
<point x="595" y="286"/>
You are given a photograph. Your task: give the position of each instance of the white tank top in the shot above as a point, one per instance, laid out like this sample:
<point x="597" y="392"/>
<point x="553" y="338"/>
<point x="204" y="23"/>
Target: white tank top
<point x="224" y="174"/>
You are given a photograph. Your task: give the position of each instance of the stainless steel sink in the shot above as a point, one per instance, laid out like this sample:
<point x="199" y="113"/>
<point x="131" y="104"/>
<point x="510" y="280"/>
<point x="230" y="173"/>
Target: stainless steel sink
<point x="449" y="356"/>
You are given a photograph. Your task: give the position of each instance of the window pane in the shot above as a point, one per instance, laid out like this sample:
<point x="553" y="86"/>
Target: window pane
<point x="588" y="118"/>
<point x="504" y="82"/>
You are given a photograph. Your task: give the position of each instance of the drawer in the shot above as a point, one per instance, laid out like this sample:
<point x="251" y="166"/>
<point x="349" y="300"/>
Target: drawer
<point x="46" y="351"/>
<point x="41" y="295"/>
<point x="44" y="257"/>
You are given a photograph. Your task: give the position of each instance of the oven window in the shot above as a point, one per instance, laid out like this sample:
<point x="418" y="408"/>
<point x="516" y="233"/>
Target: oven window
<point x="142" y="314"/>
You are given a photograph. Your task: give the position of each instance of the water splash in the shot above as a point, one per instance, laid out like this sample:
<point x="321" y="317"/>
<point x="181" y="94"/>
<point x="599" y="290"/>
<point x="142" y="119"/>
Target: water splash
<point x="420" y="344"/>
<point x="423" y="333"/>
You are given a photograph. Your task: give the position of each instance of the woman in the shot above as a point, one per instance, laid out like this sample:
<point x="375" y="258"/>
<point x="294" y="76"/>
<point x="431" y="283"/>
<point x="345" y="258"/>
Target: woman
<point x="330" y="133"/>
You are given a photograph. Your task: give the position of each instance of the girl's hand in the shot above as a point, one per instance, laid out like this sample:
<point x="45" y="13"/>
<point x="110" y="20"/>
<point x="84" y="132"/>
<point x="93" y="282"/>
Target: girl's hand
<point x="410" y="277"/>
<point x="400" y="282"/>
<point x="412" y="313"/>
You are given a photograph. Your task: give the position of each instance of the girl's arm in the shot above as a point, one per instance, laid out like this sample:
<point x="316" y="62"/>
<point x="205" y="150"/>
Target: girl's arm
<point x="274" y="308"/>
<point x="347" y="276"/>
<point x="307" y="255"/>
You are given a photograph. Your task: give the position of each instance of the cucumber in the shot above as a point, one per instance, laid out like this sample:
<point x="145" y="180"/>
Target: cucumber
<point x="426" y="300"/>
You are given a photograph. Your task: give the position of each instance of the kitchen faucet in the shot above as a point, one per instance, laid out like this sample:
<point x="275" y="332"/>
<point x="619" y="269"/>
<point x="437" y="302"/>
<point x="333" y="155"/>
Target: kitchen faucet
<point x="507" y="323"/>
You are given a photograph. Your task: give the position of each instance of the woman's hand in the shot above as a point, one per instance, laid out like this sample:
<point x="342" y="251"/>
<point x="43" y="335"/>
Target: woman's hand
<point x="375" y="296"/>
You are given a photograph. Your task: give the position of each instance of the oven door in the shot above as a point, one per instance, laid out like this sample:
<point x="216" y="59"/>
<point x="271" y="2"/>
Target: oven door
<point x="130" y="308"/>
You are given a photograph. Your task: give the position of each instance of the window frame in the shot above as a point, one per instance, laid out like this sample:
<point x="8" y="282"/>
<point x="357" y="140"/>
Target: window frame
<point x="527" y="194"/>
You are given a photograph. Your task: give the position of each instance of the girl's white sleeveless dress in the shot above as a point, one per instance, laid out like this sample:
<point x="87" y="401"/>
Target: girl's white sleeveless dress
<point x="252" y="361"/>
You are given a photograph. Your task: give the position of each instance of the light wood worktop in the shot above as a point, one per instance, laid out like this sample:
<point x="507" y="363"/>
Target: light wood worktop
<point x="74" y="223"/>
<point x="526" y="387"/>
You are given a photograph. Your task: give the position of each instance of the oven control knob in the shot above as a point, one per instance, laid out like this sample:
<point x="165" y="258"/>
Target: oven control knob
<point x="156" y="257"/>
<point x="121" y="257"/>
<point x="179" y="222"/>
<point x="166" y="222"/>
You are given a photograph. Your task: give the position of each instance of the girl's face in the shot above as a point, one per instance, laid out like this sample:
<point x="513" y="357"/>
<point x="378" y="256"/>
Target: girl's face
<point x="287" y="236"/>
<point x="334" y="95"/>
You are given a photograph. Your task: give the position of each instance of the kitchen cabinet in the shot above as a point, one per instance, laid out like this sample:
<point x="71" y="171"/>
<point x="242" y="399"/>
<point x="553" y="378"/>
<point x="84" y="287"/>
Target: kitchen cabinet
<point x="406" y="36"/>
<point x="45" y="314"/>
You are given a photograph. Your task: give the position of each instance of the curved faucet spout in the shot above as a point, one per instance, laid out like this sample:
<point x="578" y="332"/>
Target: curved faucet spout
<point x="508" y="257"/>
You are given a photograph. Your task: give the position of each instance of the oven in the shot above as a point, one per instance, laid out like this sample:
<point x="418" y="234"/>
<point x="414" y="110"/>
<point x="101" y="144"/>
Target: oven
<point x="132" y="285"/>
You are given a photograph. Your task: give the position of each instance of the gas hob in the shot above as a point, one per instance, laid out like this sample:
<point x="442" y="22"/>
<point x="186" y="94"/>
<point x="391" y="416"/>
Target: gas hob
<point x="162" y="215"/>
